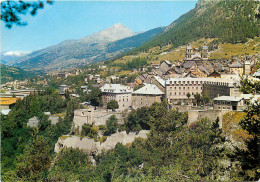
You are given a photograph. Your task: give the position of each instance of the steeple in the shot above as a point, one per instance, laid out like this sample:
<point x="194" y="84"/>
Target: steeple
<point x="188" y="52"/>
<point x="204" y="52"/>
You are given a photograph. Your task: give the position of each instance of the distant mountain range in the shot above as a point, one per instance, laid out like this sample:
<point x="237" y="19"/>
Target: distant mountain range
<point x="6" y="57"/>
<point x="97" y="47"/>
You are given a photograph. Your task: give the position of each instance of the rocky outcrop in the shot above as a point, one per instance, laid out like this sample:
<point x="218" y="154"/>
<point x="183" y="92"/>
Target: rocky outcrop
<point x="90" y="146"/>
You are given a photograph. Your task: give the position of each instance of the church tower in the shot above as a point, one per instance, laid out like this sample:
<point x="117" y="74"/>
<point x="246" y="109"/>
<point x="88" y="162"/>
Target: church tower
<point x="188" y="52"/>
<point x="204" y="52"/>
<point x="246" y="68"/>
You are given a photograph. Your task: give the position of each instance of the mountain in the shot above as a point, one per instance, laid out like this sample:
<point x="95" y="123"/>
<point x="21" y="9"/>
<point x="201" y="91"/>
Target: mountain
<point x="9" y="73"/>
<point x="100" y="46"/>
<point x="229" y="21"/>
<point x="9" y="56"/>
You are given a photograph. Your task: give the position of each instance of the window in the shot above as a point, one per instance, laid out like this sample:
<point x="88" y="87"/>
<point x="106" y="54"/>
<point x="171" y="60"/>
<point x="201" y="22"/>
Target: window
<point x="179" y="88"/>
<point x="183" y="93"/>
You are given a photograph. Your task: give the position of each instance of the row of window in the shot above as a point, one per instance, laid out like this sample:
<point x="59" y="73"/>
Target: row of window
<point x="184" y="88"/>
<point x="184" y="93"/>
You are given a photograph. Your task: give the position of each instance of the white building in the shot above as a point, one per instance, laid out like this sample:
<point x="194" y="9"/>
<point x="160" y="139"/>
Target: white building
<point x="121" y="93"/>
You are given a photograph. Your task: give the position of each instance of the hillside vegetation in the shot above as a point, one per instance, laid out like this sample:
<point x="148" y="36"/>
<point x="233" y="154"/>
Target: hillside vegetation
<point x="230" y="21"/>
<point x="9" y="73"/>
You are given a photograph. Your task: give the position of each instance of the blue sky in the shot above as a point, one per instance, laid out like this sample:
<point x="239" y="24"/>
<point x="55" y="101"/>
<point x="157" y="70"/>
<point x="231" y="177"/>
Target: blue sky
<point x="76" y="19"/>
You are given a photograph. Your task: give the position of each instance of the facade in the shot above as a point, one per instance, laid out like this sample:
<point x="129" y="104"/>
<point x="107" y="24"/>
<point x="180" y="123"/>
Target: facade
<point x="176" y="89"/>
<point x="146" y="96"/>
<point x="220" y="87"/>
<point x="121" y="93"/>
<point x="228" y="103"/>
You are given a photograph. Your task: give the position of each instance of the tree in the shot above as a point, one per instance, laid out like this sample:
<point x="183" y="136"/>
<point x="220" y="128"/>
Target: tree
<point x="95" y="97"/>
<point x="35" y="159"/>
<point x="11" y="11"/>
<point x="112" y="125"/>
<point x="197" y="98"/>
<point x="250" y="157"/>
<point x="188" y="95"/>
<point x="113" y="104"/>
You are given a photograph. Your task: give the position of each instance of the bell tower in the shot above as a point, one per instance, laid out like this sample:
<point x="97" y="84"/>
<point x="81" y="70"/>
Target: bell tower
<point x="204" y="52"/>
<point x="188" y="52"/>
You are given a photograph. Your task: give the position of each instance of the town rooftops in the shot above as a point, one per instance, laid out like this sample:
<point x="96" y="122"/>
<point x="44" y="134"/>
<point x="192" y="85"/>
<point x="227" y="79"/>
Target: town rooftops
<point x="116" y="88"/>
<point x="228" y="98"/>
<point x="160" y="80"/>
<point x="8" y="101"/>
<point x="149" y="89"/>
<point x="236" y="65"/>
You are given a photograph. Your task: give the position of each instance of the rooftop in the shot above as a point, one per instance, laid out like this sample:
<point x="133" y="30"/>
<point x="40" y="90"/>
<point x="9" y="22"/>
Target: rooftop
<point x="236" y="65"/>
<point x="116" y="88"/>
<point x="8" y="101"/>
<point x="149" y="89"/>
<point x="229" y="98"/>
<point x="160" y="80"/>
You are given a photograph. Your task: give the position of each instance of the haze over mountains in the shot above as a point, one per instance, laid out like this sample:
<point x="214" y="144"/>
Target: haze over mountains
<point x="97" y="47"/>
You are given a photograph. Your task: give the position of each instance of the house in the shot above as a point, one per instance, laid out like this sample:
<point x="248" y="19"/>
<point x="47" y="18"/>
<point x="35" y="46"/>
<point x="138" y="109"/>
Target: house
<point x="121" y="93"/>
<point x="236" y="67"/>
<point x="7" y="103"/>
<point x="228" y="103"/>
<point x="63" y="89"/>
<point x="146" y="96"/>
<point x="214" y="74"/>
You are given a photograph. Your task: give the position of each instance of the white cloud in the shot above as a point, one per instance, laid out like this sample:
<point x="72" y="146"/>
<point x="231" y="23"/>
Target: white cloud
<point x="16" y="53"/>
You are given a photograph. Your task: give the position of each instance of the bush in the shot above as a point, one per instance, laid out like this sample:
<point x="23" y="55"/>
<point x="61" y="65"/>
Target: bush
<point x="102" y="127"/>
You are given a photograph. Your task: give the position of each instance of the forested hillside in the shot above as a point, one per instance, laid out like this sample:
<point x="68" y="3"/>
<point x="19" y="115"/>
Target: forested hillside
<point x="230" y="21"/>
<point x="9" y="73"/>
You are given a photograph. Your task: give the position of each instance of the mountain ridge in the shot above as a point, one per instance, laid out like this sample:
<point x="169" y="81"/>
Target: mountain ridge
<point x="93" y="48"/>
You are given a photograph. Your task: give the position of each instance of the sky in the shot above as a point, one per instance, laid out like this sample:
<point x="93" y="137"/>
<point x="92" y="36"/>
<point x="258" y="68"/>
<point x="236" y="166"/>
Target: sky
<point x="76" y="19"/>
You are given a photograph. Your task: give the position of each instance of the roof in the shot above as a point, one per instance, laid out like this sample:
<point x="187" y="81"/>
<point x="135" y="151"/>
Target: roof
<point x="229" y="98"/>
<point x="160" y="80"/>
<point x="149" y="89"/>
<point x="116" y="88"/>
<point x="167" y="62"/>
<point x="188" y="64"/>
<point x="236" y="65"/>
<point x="8" y="101"/>
<point x="5" y="111"/>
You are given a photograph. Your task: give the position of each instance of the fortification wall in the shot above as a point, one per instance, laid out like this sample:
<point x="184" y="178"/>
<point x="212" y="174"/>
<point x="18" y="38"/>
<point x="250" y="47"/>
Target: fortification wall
<point x="90" y="146"/>
<point x="194" y="115"/>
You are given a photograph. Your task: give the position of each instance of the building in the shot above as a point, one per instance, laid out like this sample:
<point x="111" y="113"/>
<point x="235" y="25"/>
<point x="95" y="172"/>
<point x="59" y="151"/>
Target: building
<point x="146" y="96"/>
<point x="63" y="89"/>
<point x="159" y="82"/>
<point x="236" y="67"/>
<point x="190" y="55"/>
<point x="121" y="93"/>
<point x="228" y="103"/>
<point x="176" y="89"/>
<point x="7" y="103"/>
<point x="221" y="87"/>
